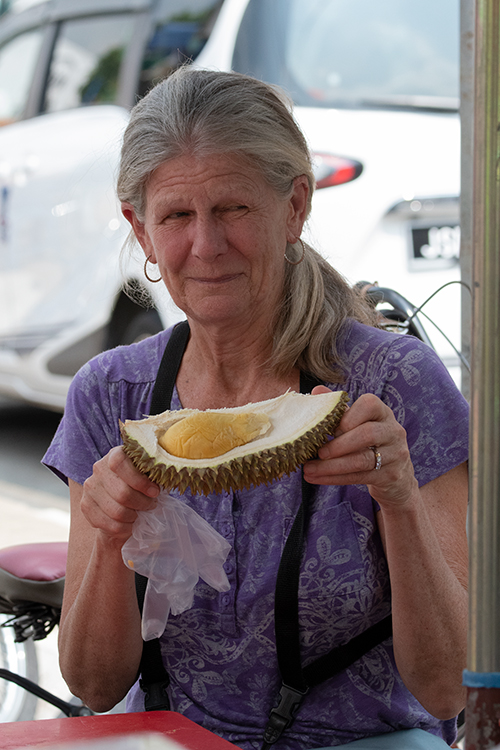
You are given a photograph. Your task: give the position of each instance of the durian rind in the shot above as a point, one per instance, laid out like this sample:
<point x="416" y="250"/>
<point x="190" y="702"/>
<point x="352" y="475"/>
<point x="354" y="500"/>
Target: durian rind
<point x="303" y="422"/>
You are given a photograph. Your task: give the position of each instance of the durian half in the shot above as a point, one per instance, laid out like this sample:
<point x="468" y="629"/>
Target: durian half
<point x="300" y="424"/>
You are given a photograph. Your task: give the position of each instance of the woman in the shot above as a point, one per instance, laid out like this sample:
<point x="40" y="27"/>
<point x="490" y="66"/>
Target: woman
<point x="216" y="183"/>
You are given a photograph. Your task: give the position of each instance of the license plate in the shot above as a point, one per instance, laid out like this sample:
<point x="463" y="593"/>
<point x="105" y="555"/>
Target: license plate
<point x="437" y="245"/>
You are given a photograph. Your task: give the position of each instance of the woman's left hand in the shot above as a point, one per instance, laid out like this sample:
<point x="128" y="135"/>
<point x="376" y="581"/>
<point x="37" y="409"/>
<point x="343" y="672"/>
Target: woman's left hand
<point x="350" y="459"/>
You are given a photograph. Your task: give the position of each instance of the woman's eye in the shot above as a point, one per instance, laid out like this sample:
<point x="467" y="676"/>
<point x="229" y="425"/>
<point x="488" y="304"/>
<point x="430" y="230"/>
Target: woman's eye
<point x="236" y="208"/>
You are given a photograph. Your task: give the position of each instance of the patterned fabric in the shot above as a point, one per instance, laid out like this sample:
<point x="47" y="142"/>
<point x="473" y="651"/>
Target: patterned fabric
<point x="407" y="739"/>
<point x="221" y="653"/>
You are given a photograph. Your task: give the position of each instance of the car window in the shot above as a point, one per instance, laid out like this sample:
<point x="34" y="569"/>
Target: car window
<point x="180" y="31"/>
<point x="86" y="62"/>
<point x="345" y="52"/>
<point x="18" y="58"/>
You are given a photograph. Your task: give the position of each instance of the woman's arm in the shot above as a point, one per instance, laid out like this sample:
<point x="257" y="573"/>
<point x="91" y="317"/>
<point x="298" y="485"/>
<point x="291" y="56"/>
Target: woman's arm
<point x="100" y="642"/>
<point x="426" y="548"/>
<point x="424" y="536"/>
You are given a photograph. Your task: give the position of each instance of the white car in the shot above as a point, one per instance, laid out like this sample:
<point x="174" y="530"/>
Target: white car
<point x="376" y="92"/>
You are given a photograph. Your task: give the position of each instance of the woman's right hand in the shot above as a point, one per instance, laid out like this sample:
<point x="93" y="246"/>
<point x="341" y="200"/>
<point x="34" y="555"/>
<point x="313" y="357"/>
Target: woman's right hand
<point x="114" y="493"/>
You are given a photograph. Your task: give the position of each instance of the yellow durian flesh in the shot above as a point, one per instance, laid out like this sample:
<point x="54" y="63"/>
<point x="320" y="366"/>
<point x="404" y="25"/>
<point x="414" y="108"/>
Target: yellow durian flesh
<point x="300" y="425"/>
<point x="209" y="434"/>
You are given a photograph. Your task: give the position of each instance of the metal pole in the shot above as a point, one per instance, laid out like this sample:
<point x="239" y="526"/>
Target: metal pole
<point x="467" y="129"/>
<point x="482" y="677"/>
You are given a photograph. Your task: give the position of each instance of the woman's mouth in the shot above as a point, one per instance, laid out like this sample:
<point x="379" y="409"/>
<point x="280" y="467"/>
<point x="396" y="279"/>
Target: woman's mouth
<point x="217" y="279"/>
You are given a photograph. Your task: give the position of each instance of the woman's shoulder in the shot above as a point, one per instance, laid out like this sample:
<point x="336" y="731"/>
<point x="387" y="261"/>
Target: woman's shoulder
<point x="355" y="335"/>
<point x="118" y="382"/>
<point x="134" y="363"/>
<point x="374" y="354"/>
<point x="403" y="371"/>
<point x="408" y="376"/>
<point x="115" y="385"/>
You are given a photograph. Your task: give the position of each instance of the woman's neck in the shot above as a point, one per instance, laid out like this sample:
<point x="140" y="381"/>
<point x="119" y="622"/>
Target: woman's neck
<point x="229" y="368"/>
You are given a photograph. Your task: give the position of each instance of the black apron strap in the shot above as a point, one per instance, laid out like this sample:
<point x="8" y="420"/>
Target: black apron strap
<point x="169" y="367"/>
<point x="286" y="615"/>
<point x="296" y="681"/>
<point x="286" y="602"/>
<point x="340" y="658"/>
<point x="154" y="677"/>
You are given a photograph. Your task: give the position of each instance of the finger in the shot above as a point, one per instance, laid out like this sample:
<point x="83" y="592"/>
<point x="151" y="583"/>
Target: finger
<point x="357" y="440"/>
<point x="392" y="483"/>
<point x="367" y="408"/>
<point x="114" y="495"/>
<point x="112" y="506"/>
<point x="99" y="518"/>
<point x="339" y="480"/>
<point x="112" y="519"/>
<point x="121" y="465"/>
<point x="356" y="466"/>
<point x="368" y="422"/>
<point x="106" y="490"/>
<point x="359" y="450"/>
<point x="320" y="389"/>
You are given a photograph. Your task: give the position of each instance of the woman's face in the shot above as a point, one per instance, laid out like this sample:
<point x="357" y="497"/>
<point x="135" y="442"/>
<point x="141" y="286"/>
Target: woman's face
<point x="219" y="233"/>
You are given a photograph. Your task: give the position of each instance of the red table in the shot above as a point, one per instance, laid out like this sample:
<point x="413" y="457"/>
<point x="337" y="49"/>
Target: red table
<point x="52" y="732"/>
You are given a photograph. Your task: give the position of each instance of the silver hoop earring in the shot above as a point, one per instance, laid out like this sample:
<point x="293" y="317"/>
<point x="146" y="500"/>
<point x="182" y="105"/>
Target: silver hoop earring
<point x="296" y="262"/>
<point x="153" y="281"/>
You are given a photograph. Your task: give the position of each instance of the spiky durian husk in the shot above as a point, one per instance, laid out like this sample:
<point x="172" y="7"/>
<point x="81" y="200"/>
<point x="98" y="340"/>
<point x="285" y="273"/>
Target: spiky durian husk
<point x="251" y="469"/>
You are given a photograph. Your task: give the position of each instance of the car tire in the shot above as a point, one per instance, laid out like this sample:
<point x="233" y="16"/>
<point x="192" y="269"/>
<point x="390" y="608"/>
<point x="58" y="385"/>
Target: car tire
<point x="16" y="704"/>
<point x="142" y="325"/>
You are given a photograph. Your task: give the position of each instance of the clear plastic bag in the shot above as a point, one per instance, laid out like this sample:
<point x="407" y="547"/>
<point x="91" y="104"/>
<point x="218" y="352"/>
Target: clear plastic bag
<point x="173" y="547"/>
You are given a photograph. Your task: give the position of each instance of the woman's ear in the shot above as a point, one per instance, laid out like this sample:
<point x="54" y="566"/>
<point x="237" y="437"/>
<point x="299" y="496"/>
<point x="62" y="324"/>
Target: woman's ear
<point x="298" y="207"/>
<point x="138" y="226"/>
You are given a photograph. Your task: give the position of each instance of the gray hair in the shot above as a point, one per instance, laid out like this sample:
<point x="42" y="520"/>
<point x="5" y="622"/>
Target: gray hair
<point x="206" y="112"/>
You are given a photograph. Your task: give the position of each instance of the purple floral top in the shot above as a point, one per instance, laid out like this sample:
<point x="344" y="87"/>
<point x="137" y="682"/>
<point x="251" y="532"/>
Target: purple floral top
<point x="221" y="654"/>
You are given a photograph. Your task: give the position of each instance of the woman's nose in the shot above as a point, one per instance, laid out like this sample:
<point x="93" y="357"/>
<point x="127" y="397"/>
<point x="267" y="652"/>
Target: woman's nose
<point x="208" y="240"/>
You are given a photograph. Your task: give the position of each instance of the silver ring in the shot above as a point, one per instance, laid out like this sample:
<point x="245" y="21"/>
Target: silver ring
<point x="378" y="458"/>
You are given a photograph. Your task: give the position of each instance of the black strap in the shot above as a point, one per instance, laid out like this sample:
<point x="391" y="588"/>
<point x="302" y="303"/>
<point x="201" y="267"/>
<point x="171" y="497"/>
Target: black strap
<point x="297" y="681"/>
<point x="169" y="366"/>
<point x="286" y="601"/>
<point x="154" y="677"/>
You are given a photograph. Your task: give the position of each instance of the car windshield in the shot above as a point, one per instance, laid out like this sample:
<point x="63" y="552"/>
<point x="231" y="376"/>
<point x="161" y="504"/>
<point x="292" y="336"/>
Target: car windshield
<point x="354" y="52"/>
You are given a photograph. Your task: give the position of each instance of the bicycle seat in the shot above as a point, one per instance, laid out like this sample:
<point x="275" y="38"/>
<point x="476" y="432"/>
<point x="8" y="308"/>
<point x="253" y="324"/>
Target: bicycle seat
<point x="32" y="573"/>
